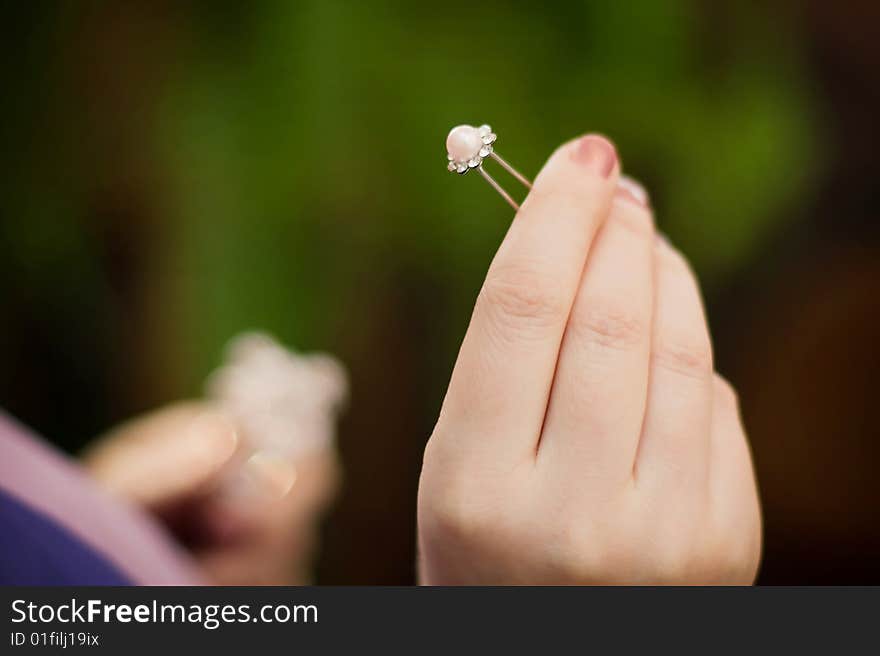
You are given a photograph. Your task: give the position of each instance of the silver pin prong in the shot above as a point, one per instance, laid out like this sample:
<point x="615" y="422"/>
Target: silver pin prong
<point x="499" y="189"/>
<point x="468" y="147"/>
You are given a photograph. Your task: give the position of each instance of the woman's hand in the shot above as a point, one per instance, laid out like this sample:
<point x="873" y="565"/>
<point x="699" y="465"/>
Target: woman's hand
<point x="247" y="518"/>
<point x="584" y="437"/>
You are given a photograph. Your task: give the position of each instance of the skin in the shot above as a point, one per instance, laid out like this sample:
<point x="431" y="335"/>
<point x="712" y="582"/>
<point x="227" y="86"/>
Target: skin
<point x="247" y="520"/>
<point x="584" y="437"/>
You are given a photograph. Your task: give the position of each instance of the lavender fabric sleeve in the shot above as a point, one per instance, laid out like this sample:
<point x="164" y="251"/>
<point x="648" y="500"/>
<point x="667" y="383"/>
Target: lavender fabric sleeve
<point x="48" y="483"/>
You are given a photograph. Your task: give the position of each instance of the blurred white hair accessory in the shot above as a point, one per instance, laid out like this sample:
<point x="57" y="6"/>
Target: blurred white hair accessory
<point x="467" y="148"/>
<point x="286" y="402"/>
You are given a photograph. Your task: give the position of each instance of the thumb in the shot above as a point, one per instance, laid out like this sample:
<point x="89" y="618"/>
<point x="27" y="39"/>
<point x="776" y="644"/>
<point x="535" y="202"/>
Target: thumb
<point x="165" y="456"/>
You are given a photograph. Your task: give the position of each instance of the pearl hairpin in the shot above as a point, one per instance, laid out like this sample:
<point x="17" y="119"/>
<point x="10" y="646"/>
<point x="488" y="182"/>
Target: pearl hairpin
<point x="467" y="147"/>
<point x="285" y="401"/>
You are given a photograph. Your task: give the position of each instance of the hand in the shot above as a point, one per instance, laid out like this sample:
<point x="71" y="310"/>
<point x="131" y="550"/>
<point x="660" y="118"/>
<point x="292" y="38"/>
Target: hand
<point x="247" y="518"/>
<point x="584" y="437"/>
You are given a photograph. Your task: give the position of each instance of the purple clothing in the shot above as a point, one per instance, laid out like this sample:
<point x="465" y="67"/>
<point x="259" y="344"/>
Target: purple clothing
<point x="48" y="484"/>
<point x="34" y="550"/>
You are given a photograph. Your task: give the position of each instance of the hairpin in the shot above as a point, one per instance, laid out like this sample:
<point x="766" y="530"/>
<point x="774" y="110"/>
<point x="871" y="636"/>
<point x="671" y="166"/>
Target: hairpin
<point x="467" y="147"/>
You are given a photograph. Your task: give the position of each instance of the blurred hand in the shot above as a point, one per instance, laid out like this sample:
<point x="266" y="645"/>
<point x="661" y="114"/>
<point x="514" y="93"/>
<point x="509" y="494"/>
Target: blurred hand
<point x="584" y="437"/>
<point x="248" y="518"/>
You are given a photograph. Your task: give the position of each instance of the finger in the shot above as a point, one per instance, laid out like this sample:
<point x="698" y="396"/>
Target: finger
<point x="501" y="381"/>
<point x="674" y="442"/>
<point x="267" y="492"/>
<point x="166" y="455"/>
<point x="733" y="492"/>
<point x="598" y="397"/>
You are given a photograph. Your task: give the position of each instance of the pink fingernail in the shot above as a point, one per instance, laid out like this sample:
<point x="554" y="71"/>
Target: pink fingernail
<point x="629" y="189"/>
<point x="596" y="153"/>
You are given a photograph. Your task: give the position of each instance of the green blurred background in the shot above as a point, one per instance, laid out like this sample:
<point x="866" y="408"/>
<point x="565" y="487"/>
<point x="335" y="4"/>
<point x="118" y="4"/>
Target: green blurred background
<point x="176" y="173"/>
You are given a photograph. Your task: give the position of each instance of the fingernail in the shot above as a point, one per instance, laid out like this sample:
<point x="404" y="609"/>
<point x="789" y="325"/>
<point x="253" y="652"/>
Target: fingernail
<point x="262" y="477"/>
<point x="276" y="474"/>
<point x="596" y="153"/>
<point x="630" y="190"/>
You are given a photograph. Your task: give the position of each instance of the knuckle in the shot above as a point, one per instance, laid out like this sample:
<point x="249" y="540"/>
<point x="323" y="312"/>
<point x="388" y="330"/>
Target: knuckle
<point x="734" y="559"/>
<point x="579" y="200"/>
<point x="688" y="356"/>
<point x="564" y="187"/>
<point x="725" y="392"/>
<point x="741" y="546"/>
<point x="588" y="548"/>
<point x="741" y="565"/>
<point x="636" y="220"/>
<point x="609" y="323"/>
<point x="450" y="502"/>
<point x="672" y="567"/>
<point x="456" y="512"/>
<point x="433" y="453"/>
<point x="574" y="556"/>
<point x="522" y="296"/>
<point x="673" y="259"/>
<point x="677" y="558"/>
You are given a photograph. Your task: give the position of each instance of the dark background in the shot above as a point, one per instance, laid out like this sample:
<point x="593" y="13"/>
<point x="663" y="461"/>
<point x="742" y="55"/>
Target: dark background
<point x="175" y="173"/>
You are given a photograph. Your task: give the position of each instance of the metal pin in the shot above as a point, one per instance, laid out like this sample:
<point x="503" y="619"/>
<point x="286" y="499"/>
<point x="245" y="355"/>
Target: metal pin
<point x="468" y="147"/>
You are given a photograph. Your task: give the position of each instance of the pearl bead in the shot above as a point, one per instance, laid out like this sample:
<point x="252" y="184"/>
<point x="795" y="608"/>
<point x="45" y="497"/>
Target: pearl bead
<point x="464" y="143"/>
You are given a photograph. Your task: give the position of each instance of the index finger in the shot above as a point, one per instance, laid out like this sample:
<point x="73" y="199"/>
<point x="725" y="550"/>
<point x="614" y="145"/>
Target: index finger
<point x="501" y="381"/>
